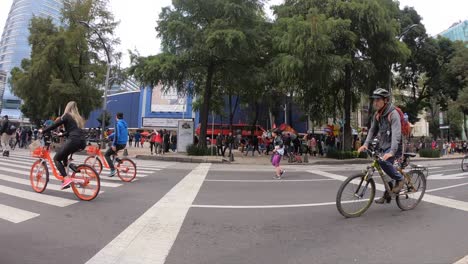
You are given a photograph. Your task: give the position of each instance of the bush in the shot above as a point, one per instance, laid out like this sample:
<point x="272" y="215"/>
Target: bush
<point x="195" y="150"/>
<point x="429" y="153"/>
<point x="339" y="154"/>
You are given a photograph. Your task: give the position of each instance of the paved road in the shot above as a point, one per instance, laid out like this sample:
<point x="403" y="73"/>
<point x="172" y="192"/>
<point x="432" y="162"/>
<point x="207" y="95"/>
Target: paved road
<point x="179" y="213"/>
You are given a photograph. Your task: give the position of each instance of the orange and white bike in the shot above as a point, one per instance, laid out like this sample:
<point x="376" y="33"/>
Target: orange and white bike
<point x="85" y="180"/>
<point x="126" y="168"/>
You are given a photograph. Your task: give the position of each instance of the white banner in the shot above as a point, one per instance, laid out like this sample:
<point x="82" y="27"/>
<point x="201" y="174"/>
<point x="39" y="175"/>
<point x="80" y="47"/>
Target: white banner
<point x="167" y="101"/>
<point x="161" y="122"/>
<point x="185" y="135"/>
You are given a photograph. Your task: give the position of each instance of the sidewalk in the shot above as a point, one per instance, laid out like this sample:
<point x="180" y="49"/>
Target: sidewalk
<point x="239" y="158"/>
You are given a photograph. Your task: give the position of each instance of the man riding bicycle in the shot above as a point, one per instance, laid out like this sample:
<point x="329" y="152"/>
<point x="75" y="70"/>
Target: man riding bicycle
<point x="386" y="126"/>
<point x="119" y="141"/>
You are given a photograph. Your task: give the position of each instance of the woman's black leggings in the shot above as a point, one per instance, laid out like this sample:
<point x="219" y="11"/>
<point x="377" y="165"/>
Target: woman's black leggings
<point x="69" y="147"/>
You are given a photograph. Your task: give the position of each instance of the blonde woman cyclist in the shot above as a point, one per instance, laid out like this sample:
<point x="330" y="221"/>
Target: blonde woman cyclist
<point x="73" y="123"/>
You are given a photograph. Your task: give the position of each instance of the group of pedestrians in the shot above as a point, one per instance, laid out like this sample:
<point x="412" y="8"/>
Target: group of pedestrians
<point x="160" y="141"/>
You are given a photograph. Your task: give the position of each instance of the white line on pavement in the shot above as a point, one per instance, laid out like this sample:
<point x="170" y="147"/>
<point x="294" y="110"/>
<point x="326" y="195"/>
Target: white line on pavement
<point x="15" y="215"/>
<point x="447" y="202"/>
<point x="26" y="171"/>
<point x="267" y="206"/>
<point x="267" y="181"/>
<point x="442" y="171"/>
<point x="150" y="238"/>
<point x="37" y="197"/>
<point x="447" y="187"/>
<point x="462" y="261"/>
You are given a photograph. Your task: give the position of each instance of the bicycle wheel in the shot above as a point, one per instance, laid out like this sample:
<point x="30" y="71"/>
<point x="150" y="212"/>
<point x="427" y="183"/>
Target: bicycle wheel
<point x="126" y="169"/>
<point x="86" y="183"/>
<point x="355" y="196"/>
<point x="413" y="191"/>
<point x="94" y="162"/>
<point x="464" y="163"/>
<point x="39" y="176"/>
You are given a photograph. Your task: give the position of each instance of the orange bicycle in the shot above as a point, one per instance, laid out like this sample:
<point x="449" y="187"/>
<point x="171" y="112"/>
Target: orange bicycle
<point x="85" y="180"/>
<point x="126" y="168"/>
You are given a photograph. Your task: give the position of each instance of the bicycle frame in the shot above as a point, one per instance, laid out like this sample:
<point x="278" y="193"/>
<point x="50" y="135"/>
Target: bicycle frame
<point x="103" y="159"/>
<point x="101" y="156"/>
<point x="376" y="166"/>
<point x="45" y="156"/>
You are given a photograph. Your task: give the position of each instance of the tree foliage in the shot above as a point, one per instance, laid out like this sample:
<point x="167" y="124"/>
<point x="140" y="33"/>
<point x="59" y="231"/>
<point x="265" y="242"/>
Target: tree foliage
<point x="65" y="64"/>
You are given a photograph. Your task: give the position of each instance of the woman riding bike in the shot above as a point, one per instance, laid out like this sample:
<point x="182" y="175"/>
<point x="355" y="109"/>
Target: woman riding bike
<point x="76" y="140"/>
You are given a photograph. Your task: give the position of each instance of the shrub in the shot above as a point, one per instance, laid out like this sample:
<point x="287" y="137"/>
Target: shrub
<point x="339" y="154"/>
<point x="429" y="153"/>
<point x="195" y="150"/>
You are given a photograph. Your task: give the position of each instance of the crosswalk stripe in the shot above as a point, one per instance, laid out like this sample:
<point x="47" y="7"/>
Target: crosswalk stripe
<point x="50" y="186"/>
<point x="144" y="169"/>
<point x="40" y="198"/>
<point x="26" y="172"/>
<point x="15" y="215"/>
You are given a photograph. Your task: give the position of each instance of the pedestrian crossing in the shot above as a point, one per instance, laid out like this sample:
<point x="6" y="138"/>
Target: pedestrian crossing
<point x="15" y="185"/>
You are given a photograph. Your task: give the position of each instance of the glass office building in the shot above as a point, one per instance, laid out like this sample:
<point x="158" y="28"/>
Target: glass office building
<point x="458" y="31"/>
<point x="14" y="46"/>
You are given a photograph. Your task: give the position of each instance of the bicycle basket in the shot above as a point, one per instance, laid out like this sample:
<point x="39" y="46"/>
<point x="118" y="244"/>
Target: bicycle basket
<point x="38" y="152"/>
<point x="92" y="150"/>
<point x="34" y="145"/>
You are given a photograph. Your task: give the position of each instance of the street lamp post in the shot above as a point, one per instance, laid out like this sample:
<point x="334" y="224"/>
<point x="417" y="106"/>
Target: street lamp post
<point x="104" y="105"/>
<point x="408" y="29"/>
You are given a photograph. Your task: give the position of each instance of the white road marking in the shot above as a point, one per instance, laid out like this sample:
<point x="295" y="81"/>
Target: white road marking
<point x="447" y="187"/>
<point x="15" y="215"/>
<point x="267" y="181"/>
<point x="150" y="238"/>
<point x="37" y="197"/>
<point x="268" y="206"/>
<point x="26" y="171"/>
<point x="447" y="202"/>
<point x="462" y="261"/>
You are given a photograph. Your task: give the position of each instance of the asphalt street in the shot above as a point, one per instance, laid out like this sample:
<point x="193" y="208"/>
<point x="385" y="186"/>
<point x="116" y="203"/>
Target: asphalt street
<point x="180" y="213"/>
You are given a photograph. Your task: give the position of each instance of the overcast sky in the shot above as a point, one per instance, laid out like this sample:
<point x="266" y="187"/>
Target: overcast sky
<point x="138" y="19"/>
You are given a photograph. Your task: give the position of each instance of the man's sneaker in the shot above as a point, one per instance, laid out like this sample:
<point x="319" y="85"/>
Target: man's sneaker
<point x="6" y="153"/>
<point x="399" y="186"/>
<point x="282" y="172"/>
<point x="66" y="183"/>
<point x="276" y="177"/>
<point x="385" y="198"/>
<point x="113" y="172"/>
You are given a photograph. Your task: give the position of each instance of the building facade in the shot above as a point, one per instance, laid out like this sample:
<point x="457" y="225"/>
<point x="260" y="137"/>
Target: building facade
<point x="14" y="45"/>
<point x="458" y="31"/>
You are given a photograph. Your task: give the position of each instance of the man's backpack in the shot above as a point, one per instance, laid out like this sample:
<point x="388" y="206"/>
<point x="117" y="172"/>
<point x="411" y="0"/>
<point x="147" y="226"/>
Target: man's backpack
<point x="10" y="128"/>
<point x="405" y="125"/>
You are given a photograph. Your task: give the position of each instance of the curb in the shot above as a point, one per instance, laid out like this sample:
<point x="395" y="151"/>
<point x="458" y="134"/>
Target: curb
<point x="319" y="162"/>
<point x="182" y="159"/>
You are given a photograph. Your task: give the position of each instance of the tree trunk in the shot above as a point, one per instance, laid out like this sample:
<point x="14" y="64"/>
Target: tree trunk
<point x="347" y="106"/>
<point x="205" y="108"/>
<point x="232" y="112"/>
<point x="464" y="125"/>
<point x="255" y="119"/>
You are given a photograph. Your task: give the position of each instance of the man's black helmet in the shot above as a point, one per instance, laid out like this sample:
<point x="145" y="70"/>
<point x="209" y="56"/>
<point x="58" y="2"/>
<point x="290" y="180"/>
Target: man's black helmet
<point x="380" y="93"/>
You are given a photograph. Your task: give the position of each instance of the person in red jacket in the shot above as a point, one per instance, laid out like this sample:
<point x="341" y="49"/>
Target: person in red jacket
<point x="159" y="142"/>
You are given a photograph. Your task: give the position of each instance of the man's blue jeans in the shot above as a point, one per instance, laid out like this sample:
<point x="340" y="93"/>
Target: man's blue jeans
<point x="389" y="169"/>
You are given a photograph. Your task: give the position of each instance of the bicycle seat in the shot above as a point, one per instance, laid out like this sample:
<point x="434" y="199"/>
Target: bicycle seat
<point x="408" y="155"/>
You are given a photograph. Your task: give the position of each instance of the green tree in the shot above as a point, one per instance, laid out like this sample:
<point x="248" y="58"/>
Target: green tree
<point x="331" y="50"/>
<point x="200" y="40"/>
<point x="64" y="64"/>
